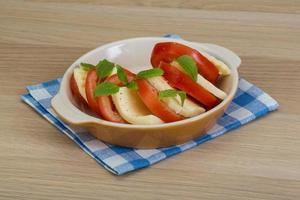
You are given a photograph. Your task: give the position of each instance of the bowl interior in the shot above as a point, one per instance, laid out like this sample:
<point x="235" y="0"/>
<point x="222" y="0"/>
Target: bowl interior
<point x="134" y="54"/>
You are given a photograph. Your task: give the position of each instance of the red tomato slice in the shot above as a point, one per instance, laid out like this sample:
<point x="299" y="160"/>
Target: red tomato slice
<point x="148" y="95"/>
<point x="90" y="84"/>
<point x="75" y="90"/>
<point x="169" y="51"/>
<point x="182" y="81"/>
<point x="108" y="110"/>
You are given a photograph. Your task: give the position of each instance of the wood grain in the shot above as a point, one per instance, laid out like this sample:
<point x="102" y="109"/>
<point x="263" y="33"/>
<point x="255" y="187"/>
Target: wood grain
<point x="40" y="39"/>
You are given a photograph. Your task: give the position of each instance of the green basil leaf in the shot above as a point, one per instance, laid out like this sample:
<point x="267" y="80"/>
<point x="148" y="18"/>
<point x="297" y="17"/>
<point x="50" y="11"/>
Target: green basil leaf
<point x="189" y="65"/>
<point x="150" y="73"/>
<point x="172" y="93"/>
<point x="86" y="66"/>
<point x="122" y="75"/>
<point x="132" y="85"/>
<point x="104" y="68"/>
<point x="182" y="96"/>
<point x="105" y="89"/>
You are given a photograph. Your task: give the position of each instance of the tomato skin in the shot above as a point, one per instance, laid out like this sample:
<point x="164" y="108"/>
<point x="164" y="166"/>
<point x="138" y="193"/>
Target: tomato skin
<point x="182" y="81"/>
<point x="75" y="91"/>
<point x="169" y="51"/>
<point x="148" y="95"/>
<point x="90" y="84"/>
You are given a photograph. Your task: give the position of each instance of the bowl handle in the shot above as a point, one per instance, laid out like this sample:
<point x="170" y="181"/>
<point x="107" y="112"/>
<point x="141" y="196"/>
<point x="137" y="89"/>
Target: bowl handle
<point x="70" y="113"/>
<point x="227" y="55"/>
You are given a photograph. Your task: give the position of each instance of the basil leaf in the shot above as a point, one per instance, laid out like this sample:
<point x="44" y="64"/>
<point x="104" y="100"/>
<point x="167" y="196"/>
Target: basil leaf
<point x="105" y="89"/>
<point x="132" y="85"/>
<point x="172" y="93"/>
<point x="104" y="68"/>
<point x="182" y="96"/>
<point x="150" y="73"/>
<point x="86" y="66"/>
<point x="122" y="75"/>
<point x="189" y="65"/>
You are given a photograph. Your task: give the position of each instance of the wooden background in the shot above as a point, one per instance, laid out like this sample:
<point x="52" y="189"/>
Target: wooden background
<point x="40" y="39"/>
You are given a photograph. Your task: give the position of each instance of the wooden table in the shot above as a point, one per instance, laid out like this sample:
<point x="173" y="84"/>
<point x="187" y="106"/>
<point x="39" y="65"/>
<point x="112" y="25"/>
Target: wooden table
<point x="39" y="40"/>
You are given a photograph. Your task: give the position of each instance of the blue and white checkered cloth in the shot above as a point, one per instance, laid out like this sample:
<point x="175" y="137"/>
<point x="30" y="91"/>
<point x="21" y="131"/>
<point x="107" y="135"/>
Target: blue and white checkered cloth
<point x="249" y="103"/>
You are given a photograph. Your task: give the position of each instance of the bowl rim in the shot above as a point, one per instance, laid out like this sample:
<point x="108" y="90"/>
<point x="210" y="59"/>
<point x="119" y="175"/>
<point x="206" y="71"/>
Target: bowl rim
<point x="98" y="121"/>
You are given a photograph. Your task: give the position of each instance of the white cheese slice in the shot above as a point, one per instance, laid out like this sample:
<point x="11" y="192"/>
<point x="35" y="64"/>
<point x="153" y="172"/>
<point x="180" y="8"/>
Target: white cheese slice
<point x="222" y="67"/>
<point x="189" y="108"/>
<point x="80" y="78"/>
<point x="132" y="109"/>
<point x="204" y="83"/>
<point x="210" y="87"/>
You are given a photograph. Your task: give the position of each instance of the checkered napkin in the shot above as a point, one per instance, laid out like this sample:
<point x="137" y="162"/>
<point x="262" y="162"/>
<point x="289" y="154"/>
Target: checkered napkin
<point x="249" y="103"/>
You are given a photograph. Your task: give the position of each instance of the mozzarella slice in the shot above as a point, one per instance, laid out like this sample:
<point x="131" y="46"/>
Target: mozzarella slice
<point x="204" y="83"/>
<point x="222" y="67"/>
<point x="132" y="109"/>
<point x="210" y="87"/>
<point x="189" y="108"/>
<point x="80" y="78"/>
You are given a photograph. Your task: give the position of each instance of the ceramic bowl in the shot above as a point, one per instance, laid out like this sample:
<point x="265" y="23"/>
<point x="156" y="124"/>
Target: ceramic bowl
<point x="134" y="54"/>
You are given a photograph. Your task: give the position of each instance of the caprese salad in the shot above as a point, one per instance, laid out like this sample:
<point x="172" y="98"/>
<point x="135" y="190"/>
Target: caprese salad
<point x="181" y="84"/>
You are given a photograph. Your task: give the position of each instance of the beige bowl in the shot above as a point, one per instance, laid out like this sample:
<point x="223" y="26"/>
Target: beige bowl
<point x="134" y="54"/>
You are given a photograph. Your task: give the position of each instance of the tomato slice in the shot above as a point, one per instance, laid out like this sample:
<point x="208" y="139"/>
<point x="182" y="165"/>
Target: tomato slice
<point x="182" y="81"/>
<point x="105" y="103"/>
<point x="90" y="84"/>
<point x="169" y="51"/>
<point x="107" y="109"/>
<point x="75" y="91"/>
<point x="148" y="95"/>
